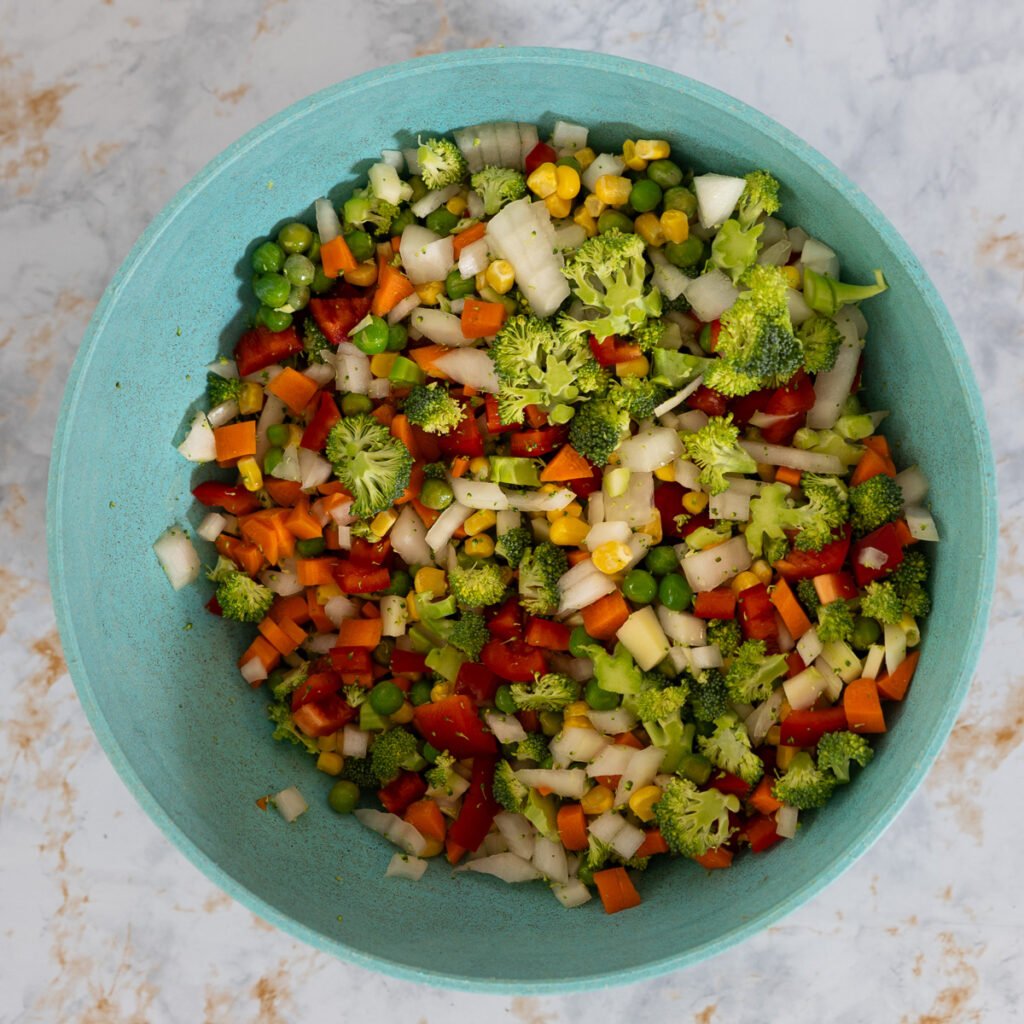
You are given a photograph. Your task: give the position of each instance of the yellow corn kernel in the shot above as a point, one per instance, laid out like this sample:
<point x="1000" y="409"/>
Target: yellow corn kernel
<point x="785" y="710"/>
<point x="792" y="276"/>
<point x="557" y="206"/>
<point x="330" y="763"/>
<point x="431" y="848"/>
<point x="585" y="157"/>
<point x="594" y="206"/>
<point x="327" y="743"/>
<point x="774" y="736"/>
<point x="544" y="180"/>
<point x="403" y="716"/>
<point x="762" y="570"/>
<point x="612" y="556"/>
<point x="695" y="502"/>
<point x="410" y="606"/>
<point x="574" y="509"/>
<point x="383" y="521"/>
<point x="784" y="756"/>
<point x="480" y="280"/>
<point x="480" y="546"/>
<point x="648" y="227"/>
<point x="597" y="800"/>
<point x="382" y="362"/>
<point x="613" y="189"/>
<point x="585" y="220"/>
<point x="326" y="591"/>
<point x="548" y="488"/>
<point x="429" y="580"/>
<point x="652" y="149"/>
<point x="249" y="471"/>
<point x="365" y="274"/>
<point x="638" y="367"/>
<point x="480" y="467"/>
<point x="568" y="182"/>
<point x="576" y="722"/>
<point x="479" y="521"/>
<point x="430" y="292"/>
<point x="250" y="398"/>
<point x="294" y="435"/>
<point x="675" y="225"/>
<point x="631" y="158"/>
<point x="653" y="528"/>
<point x="568" y="532"/>
<point x="456" y="205"/>
<point x="439" y="691"/>
<point x="642" y="802"/>
<point x="666" y="473"/>
<point x="744" y="581"/>
<point x="577" y="709"/>
<point x="500" y="276"/>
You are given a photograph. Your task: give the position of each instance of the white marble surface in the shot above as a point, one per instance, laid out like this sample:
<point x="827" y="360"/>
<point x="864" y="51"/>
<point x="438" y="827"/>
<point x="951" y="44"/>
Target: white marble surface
<point x="106" y="109"/>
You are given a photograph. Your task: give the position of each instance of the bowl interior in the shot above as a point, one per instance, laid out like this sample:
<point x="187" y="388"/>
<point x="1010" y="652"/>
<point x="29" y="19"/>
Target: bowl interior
<point x="157" y="674"/>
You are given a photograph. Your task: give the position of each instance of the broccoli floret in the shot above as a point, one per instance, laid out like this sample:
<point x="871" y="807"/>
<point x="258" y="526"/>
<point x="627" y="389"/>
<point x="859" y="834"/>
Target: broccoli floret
<point x="513" y="544"/>
<point x="837" y="749"/>
<point x="431" y="407"/>
<point x="224" y="568"/>
<point x="550" y="692"/>
<point x="222" y="389"/>
<point x="916" y="601"/>
<point x="734" y="248"/>
<point x="753" y="672"/>
<point x="373" y="466"/>
<point x="606" y="273"/>
<point x="691" y="821"/>
<point x="728" y="748"/>
<point x="660" y="704"/>
<point x="598" y="854"/>
<point x="804" y="786"/>
<point x="469" y="634"/>
<point x="760" y="196"/>
<point x="533" y="748"/>
<point x="639" y="396"/>
<point x="507" y="789"/>
<point x="539" y="573"/>
<point x="597" y="429"/>
<point x="435" y="471"/>
<point x="827" y="296"/>
<point x="315" y="341"/>
<point x="478" y="584"/>
<point x="881" y="601"/>
<point x="835" y="622"/>
<point x="912" y="571"/>
<point x="391" y="752"/>
<point x="441" y="163"/>
<point x="242" y="598"/>
<point x="498" y="186"/>
<point x="648" y="335"/>
<point x="808" y="595"/>
<point x="709" y="696"/>
<point x="875" y="502"/>
<point x="355" y="695"/>
<point x="659" y="710"/>
<point x="820" y="339"/>
<point x="439" y="775"/>
<point x="726" y="634"/>
<point x="616" y="672"/>
<point x="369" y="212"/>
<point x="828" y="442"/>
<point x="285" y="728"/>
<point x="360" y="771"/>
<point x="772" y="514"/>
<point x="715" y="449"/>
<point x="677" y="369"/>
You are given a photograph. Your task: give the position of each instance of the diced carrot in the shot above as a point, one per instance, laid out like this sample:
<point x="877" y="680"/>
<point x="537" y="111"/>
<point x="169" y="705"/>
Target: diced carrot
<point x="396" y="243"/>
<point x="879" y="444"/>
<point x="787" y="475"/>
<point x="871" y="464"/>
<point x="359" y="633"/>
<point x="333" y="487"/>
<point x="627" y="739"/>
<point x="427" y="515"/>
<point x="336" y="257"/>
<point x="284" y="492"/>
<point x="392" y="287"/>
<point x="790" y="609"/>
<point x="467" y="237"/>
<point x="603" y="619"/>
<point x="315" y="572"/>
<point x="834" y="586"/>
<point x="247" y="557"/>
<point x="715" y="859"/>
<point x="616" y="890"/>
<point x="577" y="555"/>
<point x="762" y="800"/>
<point x="568" y="464"/>
<point x="544" y="790"/>
<point x="292" y="607"/>
<point x="317" y="613"/>
<point x="424" y="357"/>
<point x="654" y="842"/>
<point x="453" y="851"/>
<point x="282" y="642"/>
<point x="295" y="389"/>
<point x="263" y="535"/>
<point x="370" y="610"/>
<point x="426" y="817"/>
<point x="261" y="648"/>
<point x="862" y="706"/>
<point x="468" y="392"/>
<point x="262" y="803"/>
<point x="482" y="319"/>
<point x="572" y="827"/>
<point x="384" y="414"/>
<point x="903" y="534"/>
<point x="300" y="523"/>
<point x="894" y="685"/>
<point x="402" y="429"/>
<point x="235" y="440"/>
<point x="460" y="466"/>
<point x="535" y="416"/>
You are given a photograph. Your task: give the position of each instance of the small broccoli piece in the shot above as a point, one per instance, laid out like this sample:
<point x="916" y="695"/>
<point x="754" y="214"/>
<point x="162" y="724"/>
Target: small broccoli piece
<point x="820" y="339"/>
<point x="677" y="369"/>
<point x="369" y="212"/>
<point x="828" y="442"/>
<point x="315" y="342"/>
<point x="804" y="786"/>
<point x="734" y="248"/>
<point x="533" y="748"/>
<point x="439" y="775"/>
<point x="242" y="598"/>
<point x="639" y="396"/>
<point x="598" y="854"/>
<point x="289" y="682"/>
<point x="760" y="196"/>
<point x="916" y="601"/>
<point x="373" y="466"/>
<point x="498" y="186"/>
<point x="658" y="708"/>
<point x="751" y="676"/>
<point x="285" y="728"/>
<point x="441" y="163"/>
<point x="660" y="704"/>
<point x="808" y="595"/>
<point x="435" y="471"/>
<point x="728" y="748"/>
<point x="691" y="821"/>
<point x="716" y="451"/>
<point x="709" y="696"/>
<point x="772" y="514"/>
<point x="726" y="634"/>
<point x="550" y="692"/>
<point x="355" y="695"/>
<point x="649" y="334"/>
<point x="433" y="408"/>
<point x="360" y="771"/>
<point x="391" y="752"/>
<point x="881" y="601"/>
<point x="478" y="584"/>
<point x="837" y="749"/>
<point x="224" y="568"/>
<point x="606" y="273"/>
<point x="539" y="573"/>
<point x="597" y="429"/>
<point x="835" y="622"/>
<point x="827" y="295"/>
<point x="617" y="672"/>
<point x="912" y="571"/>
<point x="507" y="789"/>
<point x="222" y="389"/>
<point x="469" y="634"/>
<point x="875" y="502"/>
<point x="513" y="544"/>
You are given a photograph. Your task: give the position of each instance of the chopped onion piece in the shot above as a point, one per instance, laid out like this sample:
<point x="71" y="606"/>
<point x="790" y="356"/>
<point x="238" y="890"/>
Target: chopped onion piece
<point x="445" y="526"/>
<point x="506" y="866"/>
<point x="440" y="327"/>
<point x="819" y="258"/>
<point x="425" y="255"/>
<point x="506" y="728"/>
<point x="340" y="608"/>
<point x="392" y="828"/>
<point x="584" y="590"/>
<point x="895" y="648"/>
<point x="809" y="646"/>
<point x="605" y="827"/>
<point x="571" y="745"/>
<point x="290" y="803"/>
<point x="799" y="311"/>
<point x="687" y="474"/>
<point x="872" y="558"/>
<point x="328" y="226"/>
<point x="635" y="505"/>
<point x="225" y="368"/>
<point x="408" y="538"/>
<point x="921" y="524"/>
<point x="832" y="387"/>
<point x="570" y="782"/>
<point x="284" y="584"/>
<point x="628" y="840"/>
<point x="468" y="141"/>
<point x="668" y="279"/>
<point x="314" y="469"/>
<point x="777" y="254"/>
<point x="538" y="501"/>
<point x="272" y="414"/>
<point x="573" y="894"/>
<point x="253" y="671"/>
<point x="470" y="366"/>
<point x="517" y="832"/>
<point x="732" y="505"/>
<point x="528" y="139"/>
<point x="479" y="494"/>
<point x="603" y="163"/>
<point x="615" y="530"/>
<point x="797" y="237"/>
<point x="568" y="137"/>
<point x="611" y="723"/>
<point x="706" y="570"/>
<point x="474" y="258"/>
<point x="354" y="742"/>
<point x="211" y="527"/>
<point x="841" y="660"/>
<point x="404" y="308"/>
<point x="613" y="759"/>
<point x="711" y="295"/>
<point x="873" y="662"/>
<point x="717" y="196"/>
<point x="682" y="627"/>
<point x="223" y="413"/>
<point x="380" y="387"/>
<point x="650" y="449"/>
<point x="833" y="684"/>
<point x="549" y="860"/>
<point x="793" y="458"/>
<point x="786" y="821"/>
<point x="199" y="445"/>
<point x="393" y="158"/>
<point x="679" y="397"/>
<point x="434" y="201"/>
<point x="353" y="369"/>
<point x="177" y="557"/>
<point x="640" y="772"/>
<point x="702" y="658"/>
<point x="803" y="689"/>
<point x="402" y="865"/>
<point x="386" y="183"/>
<point x="394" y="615"/>
<point x="764" y="716"/>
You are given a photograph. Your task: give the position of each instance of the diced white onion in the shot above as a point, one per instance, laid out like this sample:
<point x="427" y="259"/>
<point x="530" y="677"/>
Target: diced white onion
<point x="474" y="258"/>
<point x="786" y="821"/>
<point x="832" y="387"/>
<point x="682" y="627"/>
<point x="841" y="660"/>
<point x="199" y="445"/>
<point x="803" y="689"/>
<point x="290" y="803"/>
<point x="668" y="279"/>
<point x="764" y="716"/>
<point x="794" y="458"/>
<point x="538" y="501"/>
<point x="873" y="662"/>
<point x="528" y="139"/>
<point x="584" y="590"/>
<point x="711" y="295"/>
<point x="617" y="531"/>
<point x="353" y="369"/>
<point x="872" y="558"/>
<point x="895" y="647"/>
<point x="628" y="840"/>
<point x="570" y="236"/>
<point x="386" y="183"/>
<point x="571" y="745"/>
<point x="640" y="772"/>
<point x="517" y="832"/>
<point x="573" y="894"/>
<point x="568" y="138"/>
<point x="394" y="615"/>
<point x="679" y="397"/>
<point x="602" y="164"/>
<point x="809" y="646"/>
<point x="433" y="201"/>
<point x="687" y="474"/>
<point x="284" y="584"/>
<point x="340" y="608"/>
<point x="272" y="413"/>
<point x="408" y="538"/>
<point x="403" y="308"/>
<point x="393" y="158"/>
<point x="799" y="311"/>
<point x="605" y="827"/>
<point x="223" y="413"/>
<point x="321" y="643"/>
<point x="474" y="205"/>
<point x="612" y="723"/>
<point x="314" y="469"/>
<point x="613" y="759"/>
<point x="225" y="368"/>
<point x="328" y="226"/>
<point x="777" y="254"/>
<point x="702" y="658"/>
<point x="288" y="467"/>
<point x="820" y="258"/>
<point x="650" y="449"/>
<point x="506" y="866"/>
<point x="506" y="728"/>
<point x="570" y="782"/>
<point x="921" y="524"/>
<point x="549" y="860"/>
<point x="440" y="327"/>
<point x="470" y="366"/>
<point x="211" y="527"/>
<point x="479" y="494"/>
<point x="253" y="671"/>
<point x="394" y="829"/>
<point x="706" y="570"/>
<point x="717" y="196"/>
<point x="636" y="504"/>
<point x="731" y="505"/>
<point x="425" y="255"/>
<point x="402" y="865"/>
<point x="833" y="684"/>
<point x="354" y="741"/>
<point x="797" y="237"/>
<point x="177" y="557"/>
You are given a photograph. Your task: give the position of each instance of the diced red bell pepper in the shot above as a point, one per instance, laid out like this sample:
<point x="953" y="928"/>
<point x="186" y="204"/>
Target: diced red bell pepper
<point x="398" y="794"/>
<point x="507" y="622"/>
<point x="316" y="686"/>
<point x="803" y="565"/>
<point x="668" y="500"/>
<point x="745" y="406"/>
<point x="452" y="724"/>
<point x="261" y="347"/>
<point x="794" y="664"/>
<point x="726" y="782"/>
<point x="495" y="424"/>
<point x="805" y="728"/>
<point x="542" y="153"/>
<point x="761" y="833"/>
<point x="885" y="539"/>
<point x="796" y="395"/>
<point x="350" y="659"/>
<point x="612" y="350"/>
<point x="408" y="663"/>
<point x="465" y="439"/>
<point x="213" y="606"/>
<point x="477" y="681"/>
<point x="324" y="716"/>
<point x="529" y="443"/>
<point x="367" y="555"/>
<point x="543" y="633"/>
<point x="314" y="437"/>
<point x="513" y="660"/>
<point x="783" y="431"/>
<point x="588" y="485"/>
<point x="355" y="579"/>
<point x="236" y="501"/>
<point x="757" y="614"/>
<point x="529" y="720"/>
<point x="337" y="316"/>
<point x="478" y="806"/>
<point x="715" y="604"/>
<point x="709" y="401"/>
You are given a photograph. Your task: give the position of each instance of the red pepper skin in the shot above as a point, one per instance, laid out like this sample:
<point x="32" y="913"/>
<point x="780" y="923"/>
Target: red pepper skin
<point x="477" y="681"/>
<point x="465" y="439"/>
<point x="350" y="659"/>
<point x="587" y="485"/>
<point x="324" y="716"/>
<point x="354" y="579"/>
<point x="314" y="437"/>
<point x="261" y="347"/>
<point x="805" y="728"/>
<point x="743" y="407"/>
<point x="726" y="782"/>
<point x="337" y="316"/>
<point x="538" y="442"/>
<point x="408" y="663"/>
<point x="760" y="833"/>
<point x="804" y="565"/>
<point x="495" y="424"/>
<point x="398" y="794"/>
<point x="668" y="500"/>
<point x="885" y="539"/>
<point x="452" y="724"/>
<point x="236" y="501"/>
<point x="507" y="622"/>
<point x="316" y="686"/>
<point x="542" y="153"/>
<point x="709" y="401"/>
<point x="715" y="604"/>
<point x="783" y="431"/>
<point x="612" y="350"/>
<point x="478" y="806"/>
<point x="513" y="660"/>
<point x="551" y="636"/>
<point x="757" y="614"/>
<point x="796" y="395"/>
<point x="367" y="556"/>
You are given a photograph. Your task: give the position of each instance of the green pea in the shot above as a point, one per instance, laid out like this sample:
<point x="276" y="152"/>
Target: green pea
<point x="503" y="699"/>
<point x="865" y="633"/>
<point x="279" y="434"/>
<point x="310" y="547"/>
<point x="272" y="460"/>
<point x="550" y="723"/>
<point x="704" y="338"/>
<point x="457" y="286"/>
<point x="271" y="289"/>
<point x="373" y="338"/>
<point x="298" y="298"/>
<point x="268" y="258"/>
<point x="614" y="220"/>
<point x="430" y="753"/>
<point x="662" y="560"/>
<point x="402" y="221"/>
<point x="569" y="161"/>
<point x="437" y="494"/>
<point x="644" y="196"/>
<point x="313" y="252"/>
<point x="664" y="173"/>
<point x="580" y="639"/>
<point x="441" y="221"/>
<point x="295" y="237"/>
<point x="419" y="693"/>
<point x="275" y="320"/>
<point x="640" y="586"/>
<point x="398" y="337"/>
<point x="383" y="651"/>
<point x="360" y="244"/>
<point x="680" y="198"/>
<point x="685" y="254"/>
<point x="674" y="592"/>
<point x="696" y="768"/>
<point x="321" y="282"/>
<point x="355" y="405"/>
<point x="599" y="699"/>
<point x="343" y="797"/>
<point x="386" y="698"/>
<point x="401" y="583"/>
<point x="299" y="269"/>
<point x="419" y="188"/>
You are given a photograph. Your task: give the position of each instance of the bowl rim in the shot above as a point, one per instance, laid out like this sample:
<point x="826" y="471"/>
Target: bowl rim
<point x="563" y="58"/>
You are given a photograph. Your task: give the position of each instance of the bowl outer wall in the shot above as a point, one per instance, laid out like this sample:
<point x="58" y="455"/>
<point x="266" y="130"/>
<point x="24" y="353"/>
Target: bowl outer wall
<point x="156" y="674"/>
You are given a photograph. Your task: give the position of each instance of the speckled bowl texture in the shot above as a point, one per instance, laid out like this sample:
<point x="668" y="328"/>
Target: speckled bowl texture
<point x="156" y="674"/>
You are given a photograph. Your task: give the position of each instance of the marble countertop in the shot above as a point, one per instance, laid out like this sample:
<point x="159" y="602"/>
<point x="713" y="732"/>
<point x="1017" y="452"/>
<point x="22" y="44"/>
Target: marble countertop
<point x="109" y="107"/>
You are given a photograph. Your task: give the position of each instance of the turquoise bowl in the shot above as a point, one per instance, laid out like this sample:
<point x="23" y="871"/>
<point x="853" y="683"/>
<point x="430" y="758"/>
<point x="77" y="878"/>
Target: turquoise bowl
<point x="156" y="674"/>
